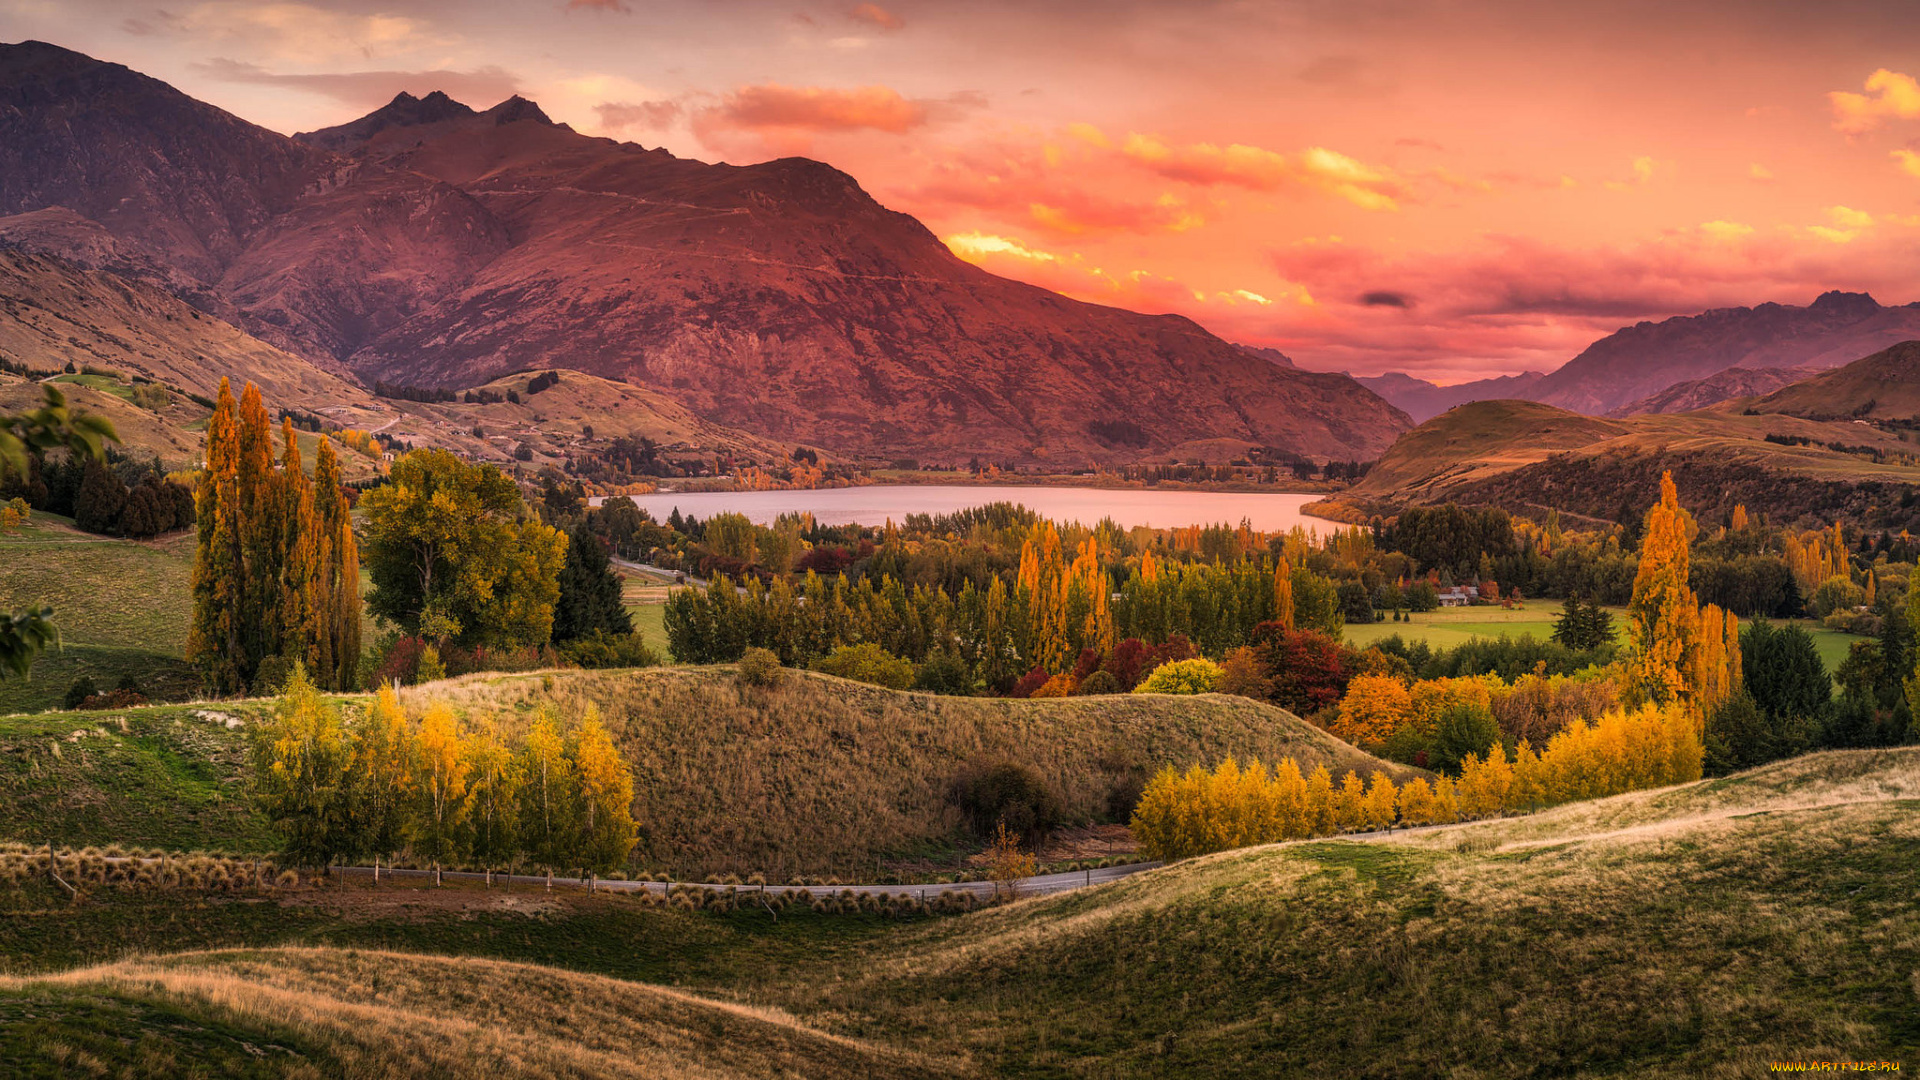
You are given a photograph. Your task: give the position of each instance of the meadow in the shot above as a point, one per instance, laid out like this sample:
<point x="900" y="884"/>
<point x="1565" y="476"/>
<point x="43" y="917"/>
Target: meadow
<point x="1448" y="628"/>
<point x="1704" y="929"/>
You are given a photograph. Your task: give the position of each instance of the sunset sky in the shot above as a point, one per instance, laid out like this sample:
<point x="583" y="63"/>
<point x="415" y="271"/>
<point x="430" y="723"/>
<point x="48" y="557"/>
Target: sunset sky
<point x="1452" y="189"/>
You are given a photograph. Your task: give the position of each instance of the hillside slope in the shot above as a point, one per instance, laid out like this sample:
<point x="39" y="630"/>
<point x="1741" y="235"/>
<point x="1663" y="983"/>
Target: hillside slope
<point x="818" y="776"/>
<point x="1530" y="457"/>
<point x="1423" y="400"/>
<point x="1884" y="386"/>
<point x="1714" y="389"/>
<point x="432" y="244"/>
<point x="1705" y="929"/>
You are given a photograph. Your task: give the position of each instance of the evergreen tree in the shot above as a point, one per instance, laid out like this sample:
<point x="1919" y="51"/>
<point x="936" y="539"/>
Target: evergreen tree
<point x="590" y="593"/>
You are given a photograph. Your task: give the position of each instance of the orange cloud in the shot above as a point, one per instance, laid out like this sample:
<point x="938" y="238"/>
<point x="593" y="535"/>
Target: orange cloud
<point x="1238" y="165"/>
<point x="647" y="115"/>
<point x="1890" y="95"/>
<point x="816" y="109"/>
<point x="1908" y="161"/>
<point x="878" y="16"/>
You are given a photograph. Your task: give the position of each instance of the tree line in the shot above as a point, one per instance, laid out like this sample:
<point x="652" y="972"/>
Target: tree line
<point x="388" y="783"/>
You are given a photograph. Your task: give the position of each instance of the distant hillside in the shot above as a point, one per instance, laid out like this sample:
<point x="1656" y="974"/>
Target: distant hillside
<point x="555" y="420"/>
<point x="53" y="312"/>
<point x="1884" y="386"/>
<point x="1423" y="400"/>
<point x="1642" y="360"/>
<point x="1530" y="457"/>
<point x="1714" y="389"/>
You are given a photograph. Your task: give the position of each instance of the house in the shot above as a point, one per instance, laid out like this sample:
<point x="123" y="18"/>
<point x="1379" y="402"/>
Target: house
<point x="1459" y="596"/>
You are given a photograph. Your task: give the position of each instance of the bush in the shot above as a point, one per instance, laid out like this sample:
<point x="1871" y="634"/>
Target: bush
<point x="270" y="677"/>
<point x="1028" y="683"/>
<point x="867" y="663"/>
<point x="599" y="649"/>
<point x="82" y="689"/>
<point x="1242" y="673"/>
<point x="759" y="667"/>
<point x="1101" y="682"/>
<point x="1058" y="686"/>
<point x="1182" y="677"/>
<point x="1007" y="793"/>
<point x="944" y="673"/>
<point x="1464" y="729"/>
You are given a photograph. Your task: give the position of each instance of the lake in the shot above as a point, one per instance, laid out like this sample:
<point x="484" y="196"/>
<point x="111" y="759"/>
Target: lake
<point x="878" y="504"/>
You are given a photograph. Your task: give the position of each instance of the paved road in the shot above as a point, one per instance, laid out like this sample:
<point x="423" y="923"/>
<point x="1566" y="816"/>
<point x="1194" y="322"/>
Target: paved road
<point x="1043" y="884"/>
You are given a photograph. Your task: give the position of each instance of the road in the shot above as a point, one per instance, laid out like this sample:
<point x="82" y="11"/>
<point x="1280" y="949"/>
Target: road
<point x="1043" y="884"/>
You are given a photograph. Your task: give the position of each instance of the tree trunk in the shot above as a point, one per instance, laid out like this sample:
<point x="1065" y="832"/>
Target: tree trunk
<point x="549" y="879"/>
<point x="436" y="875"/>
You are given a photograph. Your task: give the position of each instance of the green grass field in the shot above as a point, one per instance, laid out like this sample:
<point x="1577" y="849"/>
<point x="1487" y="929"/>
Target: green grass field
<point x="1451" y="627"/>
<point x="122" y="607"/>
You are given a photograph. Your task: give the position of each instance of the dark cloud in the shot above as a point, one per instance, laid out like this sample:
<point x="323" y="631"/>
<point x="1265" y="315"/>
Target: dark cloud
<point x="647" y="115"/>
<point x="878" y="16"/>
<point x="371" y="89"/>
<point x="1383" y="298"/>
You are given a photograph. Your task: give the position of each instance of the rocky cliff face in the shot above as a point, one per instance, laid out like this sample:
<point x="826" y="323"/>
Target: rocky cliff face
<point x="431" y="244"/>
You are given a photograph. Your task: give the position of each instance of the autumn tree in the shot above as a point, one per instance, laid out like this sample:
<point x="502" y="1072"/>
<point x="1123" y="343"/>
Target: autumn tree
<point x="440" y="786"/>
<point x="549" y="796"/>
<point x="383" y="768"/>
<point x="607" y="830"/>
<point x="301" y="780"/>
<point x="451" y="540"/>
<point x="23" y="634"/>
<point x="1663" y="616"/>
<point x="276" y="573"/>
<point x="492" y="833"/>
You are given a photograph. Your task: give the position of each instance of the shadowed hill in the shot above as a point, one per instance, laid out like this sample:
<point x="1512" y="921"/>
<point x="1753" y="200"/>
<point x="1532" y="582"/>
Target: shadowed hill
<point x="1884" y="386"/>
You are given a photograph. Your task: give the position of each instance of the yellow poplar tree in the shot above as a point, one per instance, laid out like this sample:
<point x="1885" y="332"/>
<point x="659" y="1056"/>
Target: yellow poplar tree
<point x="441" y="780"/>
<point x="1663" y="616"/>
<point x="607" y="830"/>
<point x="1283" y="594"/>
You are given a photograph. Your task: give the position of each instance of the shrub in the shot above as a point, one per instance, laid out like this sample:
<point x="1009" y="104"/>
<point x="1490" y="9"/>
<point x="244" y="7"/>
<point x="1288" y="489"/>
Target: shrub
<point x="1376" y="706"/>
<point x="1007" y="794"/>
<point x="82" y="689"/>
<point x="867" y="663"/>
<point x="944" y="673"/>
<point x="430" y="669"/>
<point x="1028" y="683"/>
<point x="270" y="677"/>
<point x="1058" y="686"/>
<point x="1242" y="673"/>
<point x="1198" y="676"/>
<point x="760" y="667"/>
<point x="599" y="649"/>
<point x="1464" y="729"/>
<point x="1101" y="682"/>
<point x="1182" y="815"/>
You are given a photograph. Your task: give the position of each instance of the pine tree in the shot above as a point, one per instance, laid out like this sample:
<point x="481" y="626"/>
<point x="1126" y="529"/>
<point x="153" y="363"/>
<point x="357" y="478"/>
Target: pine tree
<point x="590" y="594"/>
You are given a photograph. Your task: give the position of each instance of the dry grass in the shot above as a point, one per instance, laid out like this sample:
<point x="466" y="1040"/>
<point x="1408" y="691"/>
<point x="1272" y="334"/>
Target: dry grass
<point x="824" y="776"/>
<point x="393" y="1015"/>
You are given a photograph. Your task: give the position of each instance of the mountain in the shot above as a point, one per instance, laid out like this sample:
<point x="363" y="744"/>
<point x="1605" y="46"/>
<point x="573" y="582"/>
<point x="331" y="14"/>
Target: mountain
<point x="54" y="312"/>
<point x="1722" y="386"/>
<point x="1270" y="355"/>
<point x="1642" y="360"/>
<point x="1529" y="457"/>
<point x="1884" y="386"/>
<point x="1423" y="400"/>
<point x="431" y="244"/>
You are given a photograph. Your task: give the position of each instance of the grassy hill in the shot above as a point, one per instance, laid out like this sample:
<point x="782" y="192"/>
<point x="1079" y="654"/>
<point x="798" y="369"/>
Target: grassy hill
<point x="1705" y="929"/>
<point x="1884" y="386"/>
<point x="816" y="776"/>
<point x="1531" y="457"/>
<point x="552" y="421"/>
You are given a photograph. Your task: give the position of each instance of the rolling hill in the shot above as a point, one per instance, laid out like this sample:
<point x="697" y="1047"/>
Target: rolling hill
<point x="1531" y="457"/>
<point x="430" y="244"/>
<point x="1777" y="903"/>
<point x="839" y="775"/>
<point x="1884" y="386"/>
<point x="1423" y="400"/>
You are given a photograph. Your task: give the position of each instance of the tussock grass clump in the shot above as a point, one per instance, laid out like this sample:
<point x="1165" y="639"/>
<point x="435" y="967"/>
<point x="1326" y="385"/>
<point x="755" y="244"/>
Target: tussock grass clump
<point x="819" y="776"/>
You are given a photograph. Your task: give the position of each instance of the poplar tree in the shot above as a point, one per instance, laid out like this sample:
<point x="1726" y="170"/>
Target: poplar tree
<point x="440" y="772"/>
<point x="548" y="796"/>
<point x="607" y="832"/>
<point x="1663" y="616"/>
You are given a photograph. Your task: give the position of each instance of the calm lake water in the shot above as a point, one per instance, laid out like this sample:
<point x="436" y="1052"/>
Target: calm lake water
<point x="878" y="504"/>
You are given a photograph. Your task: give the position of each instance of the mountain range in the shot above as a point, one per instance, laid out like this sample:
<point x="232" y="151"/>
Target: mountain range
<point x="1652" y="361"/>
<point x="434" y="245"/>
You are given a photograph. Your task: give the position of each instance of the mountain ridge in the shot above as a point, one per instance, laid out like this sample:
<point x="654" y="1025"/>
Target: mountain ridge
<point x="432" y="244"/>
